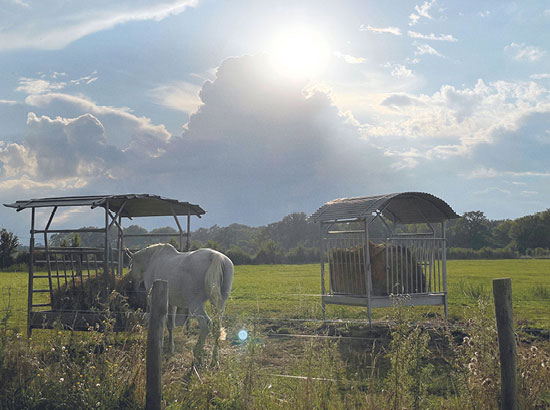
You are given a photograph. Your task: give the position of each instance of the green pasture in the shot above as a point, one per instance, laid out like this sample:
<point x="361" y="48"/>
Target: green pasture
<point x="292" y="292"/>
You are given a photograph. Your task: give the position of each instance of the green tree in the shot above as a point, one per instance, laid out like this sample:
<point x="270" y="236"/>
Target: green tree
<point x="470" y="231"/>
<point x="8" y="244"/>
<point x="531" y="231"/>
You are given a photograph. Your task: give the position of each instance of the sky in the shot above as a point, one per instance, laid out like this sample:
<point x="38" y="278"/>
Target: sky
<point x="255" y="110"/>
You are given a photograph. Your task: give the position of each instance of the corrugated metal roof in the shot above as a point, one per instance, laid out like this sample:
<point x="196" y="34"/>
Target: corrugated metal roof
<point x="133" y="205"/>
<point x="405" y="207"/>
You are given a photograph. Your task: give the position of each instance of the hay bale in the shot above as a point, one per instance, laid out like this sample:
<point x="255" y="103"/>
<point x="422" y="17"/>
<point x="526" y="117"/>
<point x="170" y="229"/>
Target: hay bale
<point x="92" y="295"/>
<point x="347" y="271"/>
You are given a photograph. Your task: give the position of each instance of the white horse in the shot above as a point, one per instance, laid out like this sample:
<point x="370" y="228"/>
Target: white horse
<point x="193" y="278"/>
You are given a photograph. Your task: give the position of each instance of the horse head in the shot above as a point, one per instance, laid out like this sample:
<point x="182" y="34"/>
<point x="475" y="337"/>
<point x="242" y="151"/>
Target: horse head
<point x="136" y="269"/>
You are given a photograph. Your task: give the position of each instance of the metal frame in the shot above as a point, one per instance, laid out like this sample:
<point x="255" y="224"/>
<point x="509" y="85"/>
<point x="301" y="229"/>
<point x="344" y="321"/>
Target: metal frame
<point x="415" y="264"/>
<point x="116" y="208"/>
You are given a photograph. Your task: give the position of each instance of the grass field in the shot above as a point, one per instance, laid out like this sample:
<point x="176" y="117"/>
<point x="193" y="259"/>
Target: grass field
<point x="292" y="291"/>
<point x="291" y="358"/>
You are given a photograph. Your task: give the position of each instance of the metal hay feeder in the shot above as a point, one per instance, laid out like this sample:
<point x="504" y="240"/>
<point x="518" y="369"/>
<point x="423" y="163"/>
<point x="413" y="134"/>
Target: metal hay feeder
<point x="66" y="266"/>
<point x="398" y="260"/>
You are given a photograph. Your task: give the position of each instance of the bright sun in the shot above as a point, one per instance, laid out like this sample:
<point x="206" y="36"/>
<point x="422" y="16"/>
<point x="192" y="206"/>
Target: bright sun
<point x="299" y="53"/>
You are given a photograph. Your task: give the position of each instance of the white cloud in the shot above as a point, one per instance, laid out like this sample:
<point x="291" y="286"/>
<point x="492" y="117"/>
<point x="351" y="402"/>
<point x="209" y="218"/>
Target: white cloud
<point x="122" y="128"/>
<point x="523" y="52"/>
<point x="8" y="102"/>
<point x="421" y="11"/>
<point x="396" y="31"/>
<point x="179" y="96"/>
<point x="542" y="76"/>
<point x="54" y="24"/>
<point x="529" y="193"/>
<point x="38" y="86"/>
<point x="422" y="49"/>
<point x="432" y="36"/>
<point x="484" y="14"/>
<point x="400" y="71"/>
<point x="350" y="59"/>
<point x="454" y="122"/>
<point x="492" y="190"/>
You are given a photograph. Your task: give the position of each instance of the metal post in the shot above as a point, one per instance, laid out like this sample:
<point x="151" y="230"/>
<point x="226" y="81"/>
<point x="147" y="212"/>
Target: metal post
<point x="31" y="275"/>
<point x="120" y="244"/>
<point x="188" y="230"/>
<point x="368" y="272"/>
<point x="155" y="338"/>
<point x="502" y="292"/>
<point x="444" y="263"/>
<point x="322" y="260"/>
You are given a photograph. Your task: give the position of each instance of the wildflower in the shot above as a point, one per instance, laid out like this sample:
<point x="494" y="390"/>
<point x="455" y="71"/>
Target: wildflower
<point x="62" y="347"/>
<point x="59" y="332"/>
<point x="61" y="380"/>
<point x="97" y="385"/>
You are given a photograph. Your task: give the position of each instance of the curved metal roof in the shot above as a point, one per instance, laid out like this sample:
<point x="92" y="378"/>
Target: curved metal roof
<point x="405" y="208"/>
<point x="129" y="205"/>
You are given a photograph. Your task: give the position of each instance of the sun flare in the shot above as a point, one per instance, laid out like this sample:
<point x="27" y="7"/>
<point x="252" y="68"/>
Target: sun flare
<point x="299" y="52"/>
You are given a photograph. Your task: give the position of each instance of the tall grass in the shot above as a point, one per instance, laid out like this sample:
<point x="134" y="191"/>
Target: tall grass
<point x="106" y="370"/>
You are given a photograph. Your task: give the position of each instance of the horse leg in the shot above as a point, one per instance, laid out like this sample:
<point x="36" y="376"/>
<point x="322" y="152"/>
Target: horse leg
<point x="216" y="332"/>
<point x="204" y="323"/>
<point x="171" y="324"/>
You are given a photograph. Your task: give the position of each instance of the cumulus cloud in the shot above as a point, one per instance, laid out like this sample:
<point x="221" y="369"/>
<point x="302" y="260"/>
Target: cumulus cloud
<point x="471" y="123"/>
<point x="122" y="128"/>
<point x="396" y="31"/>
<point x="255" y="140"/>
<point x="54" y="24"/>
<point x="523" y="52"/>
<point x="180" y="96"/>
<point x="68" y="147"/>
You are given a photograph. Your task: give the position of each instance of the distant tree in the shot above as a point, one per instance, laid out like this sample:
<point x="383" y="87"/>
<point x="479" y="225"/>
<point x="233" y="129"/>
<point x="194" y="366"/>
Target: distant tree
<point x="531" y="231"/>
<point x="269" y="253"/>
<point x="213" y="245"/>
<point x="8" y="244"/>
<point x="501" y="234"/>
<point x="470" y="231"/>
<point x="76" y="242"/>
<point x="238" y="256"/>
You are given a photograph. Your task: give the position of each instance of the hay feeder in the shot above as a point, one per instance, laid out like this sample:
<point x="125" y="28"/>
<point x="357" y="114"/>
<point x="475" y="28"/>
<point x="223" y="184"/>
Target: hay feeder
<point x="53" y="270"/>
<point x="405" y="255"/>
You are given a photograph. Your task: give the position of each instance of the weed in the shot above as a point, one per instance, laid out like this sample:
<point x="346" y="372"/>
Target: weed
<point x="539" y="291"/>
<point x="474" y="291"/>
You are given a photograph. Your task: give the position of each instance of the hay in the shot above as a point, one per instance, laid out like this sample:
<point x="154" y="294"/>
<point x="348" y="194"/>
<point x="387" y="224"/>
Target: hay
<point x="347" y="271"/>
<point x="91" y="295"/>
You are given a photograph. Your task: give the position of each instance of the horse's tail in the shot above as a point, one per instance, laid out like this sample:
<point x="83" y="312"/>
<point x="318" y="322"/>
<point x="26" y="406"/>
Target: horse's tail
<point x="218" y="280"/>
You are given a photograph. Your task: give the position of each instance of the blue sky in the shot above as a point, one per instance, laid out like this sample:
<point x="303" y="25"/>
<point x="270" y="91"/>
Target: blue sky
<point x="257" y="109"/>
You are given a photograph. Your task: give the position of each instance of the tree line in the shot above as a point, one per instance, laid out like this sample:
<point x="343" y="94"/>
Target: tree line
<point x="295" y="239"/>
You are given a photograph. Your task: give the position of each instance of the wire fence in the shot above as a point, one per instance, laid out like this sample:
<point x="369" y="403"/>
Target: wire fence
<point x="13" y="311"/>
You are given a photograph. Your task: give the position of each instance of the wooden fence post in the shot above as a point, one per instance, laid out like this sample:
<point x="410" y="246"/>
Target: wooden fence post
<point x="155" y="338"/>
<point x="502" y="292"/>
